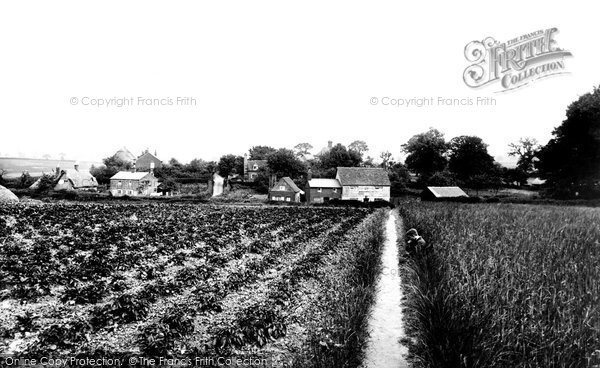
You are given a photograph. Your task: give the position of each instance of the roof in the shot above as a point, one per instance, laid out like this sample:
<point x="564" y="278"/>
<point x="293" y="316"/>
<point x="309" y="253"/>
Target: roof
<point x="125" y="155"/>
<point x="149" y="154"/>
<point x="7" y="196"/>
<point x="128" y="175"/>
<point x="324" y="183"/>
<point x="362" y="176"/>
<point x="79" y="178"/>
<point x="250" y="164"/>
<point x="290" y="183"/>
<point x="447" y="192"/>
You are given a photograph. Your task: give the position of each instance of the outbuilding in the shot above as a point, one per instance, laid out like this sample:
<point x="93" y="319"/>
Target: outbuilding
<point x="323" y="190"/>
<point x="442" y="193"/>
<point x="285" y="190"/>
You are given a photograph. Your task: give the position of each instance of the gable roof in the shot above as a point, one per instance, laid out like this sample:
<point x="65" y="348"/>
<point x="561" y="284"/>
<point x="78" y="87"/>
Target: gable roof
<point x="447" y="192"/>
<point x="362" y="176"/>
<point x="287" y="180"/>
<point x="149" y="154"/>
<point x="79" y="178"/>
<point x="128" y="175"/>
<point x="324" y="183"/>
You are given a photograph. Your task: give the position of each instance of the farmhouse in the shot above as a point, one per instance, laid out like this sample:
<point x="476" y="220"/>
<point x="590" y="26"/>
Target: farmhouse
<point x="285" y="190"/>
<point x="442" y="193"/>
<point x="133" y="184"/>
<point x="323" y="190"/>
<point x="148" y="161"/>
<point x="251" y="168"/>
<point x="364" y="183"/>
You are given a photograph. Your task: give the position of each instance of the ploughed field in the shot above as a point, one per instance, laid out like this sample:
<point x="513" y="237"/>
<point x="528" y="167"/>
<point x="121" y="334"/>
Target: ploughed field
<point x="508" y="286"/>
<point x="170" y="280"/>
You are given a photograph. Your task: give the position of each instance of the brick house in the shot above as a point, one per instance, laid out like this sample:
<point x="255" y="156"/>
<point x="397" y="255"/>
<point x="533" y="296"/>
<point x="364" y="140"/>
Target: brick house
<point x="285" y="190"/>
<point x="251" y="168"/>
<point x="146" y="160"/>
<point x="364" y="183"/>
<point x="323" y="190"/>
<point x="133" y="184"/>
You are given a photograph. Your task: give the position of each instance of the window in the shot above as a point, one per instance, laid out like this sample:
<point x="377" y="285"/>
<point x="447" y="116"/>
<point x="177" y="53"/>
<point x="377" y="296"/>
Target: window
<point x="282" y="187"/>
<point x="288" y="199"/>
<point x="255" y="167"/>
<point x="320" y="190"/>
<point x="376" y="187"/>
<point x="119" y="184"/>
<point x="335" y="190"/>
<point x="129" y="184"/>
<point x="120" y="191"/>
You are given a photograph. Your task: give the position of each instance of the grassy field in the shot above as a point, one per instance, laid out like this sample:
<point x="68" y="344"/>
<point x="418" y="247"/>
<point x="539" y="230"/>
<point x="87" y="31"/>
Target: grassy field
<point x="292" y="284"/>
<point x="507" y="286"/>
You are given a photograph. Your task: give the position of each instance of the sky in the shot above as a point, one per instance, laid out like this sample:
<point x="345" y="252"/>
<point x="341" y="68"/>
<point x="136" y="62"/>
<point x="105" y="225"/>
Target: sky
<point x="271" y="73"/>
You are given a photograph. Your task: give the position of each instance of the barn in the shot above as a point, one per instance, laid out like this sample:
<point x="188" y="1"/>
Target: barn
<point x="285" y="190"/>
<point x="126" y="183"/>
<point x="442" y="193"/>
<point x="364" y="183"/>
<point x="323" y="190"/>
<point x="147" y="161"/>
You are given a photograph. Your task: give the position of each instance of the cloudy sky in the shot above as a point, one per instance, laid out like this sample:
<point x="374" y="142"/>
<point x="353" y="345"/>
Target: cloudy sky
<point x="270" y="73"/>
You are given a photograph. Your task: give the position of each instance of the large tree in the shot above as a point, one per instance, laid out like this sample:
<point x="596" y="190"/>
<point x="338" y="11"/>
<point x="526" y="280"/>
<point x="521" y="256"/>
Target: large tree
<point x="571" y="159"/>
<point x="338" y="155"/>
<point x="303" y="149"/>
<point x="469" y="159"/>
<point x="284" y="162"/>
<point x="260" y="152"/>
<point x="230" y="165"/>
<point x="358" y="146"/>
<point x="426" y="153"/>
<point x="112" y="165"/>
<point x="525" y="150"/>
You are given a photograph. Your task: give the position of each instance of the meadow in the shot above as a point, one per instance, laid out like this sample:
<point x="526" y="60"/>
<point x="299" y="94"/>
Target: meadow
<point x="507" y="286"/>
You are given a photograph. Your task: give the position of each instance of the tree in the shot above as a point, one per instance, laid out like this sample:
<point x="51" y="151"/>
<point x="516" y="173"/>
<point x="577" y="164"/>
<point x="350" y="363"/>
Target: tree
<point x="260" y="152"/>
<point x="284" y="162"/>
<point x="569" y="161"/>
<point x="337" y="156"/>
<point x="441" y="179"/>
<point x="399" y="178"/>
<point x="303" y="149"/>
<point x="469" y="158"/>
<point x="358" y="146"/>
<point x="426" y="153"/>
<point x="112" y="165"/>
<point x="230" y="165"/>
<point x="387" y="161"/>
<point x="526" y="150"/>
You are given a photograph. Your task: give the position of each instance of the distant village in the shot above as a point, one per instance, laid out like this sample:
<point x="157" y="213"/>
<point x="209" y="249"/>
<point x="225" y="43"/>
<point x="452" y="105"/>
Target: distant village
<point x="335" y="173"/>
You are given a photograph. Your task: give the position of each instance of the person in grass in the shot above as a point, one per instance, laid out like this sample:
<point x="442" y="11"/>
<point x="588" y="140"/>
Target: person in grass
<point x="415" y="244"/>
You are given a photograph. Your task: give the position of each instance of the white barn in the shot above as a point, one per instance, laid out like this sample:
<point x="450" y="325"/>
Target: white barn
<point x="364" y="183"/>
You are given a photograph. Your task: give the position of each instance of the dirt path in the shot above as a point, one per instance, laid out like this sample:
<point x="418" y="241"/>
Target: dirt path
<point x="385" y="322"/>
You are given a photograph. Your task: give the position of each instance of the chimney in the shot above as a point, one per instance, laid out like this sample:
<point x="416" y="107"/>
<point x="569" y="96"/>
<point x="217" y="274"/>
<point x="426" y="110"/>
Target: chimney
<point x="309" y="174"/>
<point x="57" y="171"/>
<point x="152" y="167"/>
<point x="76" y="166"/>
<point x="133" y="167"/>
<point x="329" y="144"/>
<point x="245" y="177"/>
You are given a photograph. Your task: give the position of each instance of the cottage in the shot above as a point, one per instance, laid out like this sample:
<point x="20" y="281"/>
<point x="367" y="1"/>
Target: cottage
<point x="442" y="193"/>
<point x="251" y="168"/>
<point x="68" y="179"/>
<point x="285" y="190"/>
<point x="133" y="184"/>
<point x="364" y="183"/>
<point x="323" y="190"/>
<point x="75" y="179"/>
<point x="148" y="161"/>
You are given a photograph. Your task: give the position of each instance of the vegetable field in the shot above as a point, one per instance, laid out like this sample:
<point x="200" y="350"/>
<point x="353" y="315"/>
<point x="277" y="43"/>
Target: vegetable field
<point x="509" y="286"/>
<point x="172" y="280"/>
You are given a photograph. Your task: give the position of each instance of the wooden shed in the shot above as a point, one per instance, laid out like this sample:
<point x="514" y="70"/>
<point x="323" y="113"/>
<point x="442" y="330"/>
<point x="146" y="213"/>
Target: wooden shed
<point x="442" y="193"/>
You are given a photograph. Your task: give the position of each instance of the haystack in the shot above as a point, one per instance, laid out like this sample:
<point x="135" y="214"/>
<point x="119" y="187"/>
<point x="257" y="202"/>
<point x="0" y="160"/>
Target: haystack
<point x="6" y="196"/>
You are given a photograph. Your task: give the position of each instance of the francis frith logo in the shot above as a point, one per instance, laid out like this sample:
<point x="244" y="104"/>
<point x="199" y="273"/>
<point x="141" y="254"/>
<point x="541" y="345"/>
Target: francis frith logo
<point x="514" y="63"/>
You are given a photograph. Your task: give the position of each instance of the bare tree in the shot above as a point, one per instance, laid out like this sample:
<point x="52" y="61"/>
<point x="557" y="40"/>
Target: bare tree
<point x="303" y="149"/>
<point x="359" y="146"/>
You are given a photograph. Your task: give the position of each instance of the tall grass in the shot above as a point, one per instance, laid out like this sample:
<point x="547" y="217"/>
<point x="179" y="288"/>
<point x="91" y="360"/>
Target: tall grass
<point x="508" y="286"/>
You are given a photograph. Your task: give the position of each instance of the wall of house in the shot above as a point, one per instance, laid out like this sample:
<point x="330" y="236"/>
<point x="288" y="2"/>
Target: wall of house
<point x="143" y="163"/>
<point x="284" y="196"/>
<point x="132" y="187"/>
<point x="359" y="192"/>
<point x="313" y="195"/>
